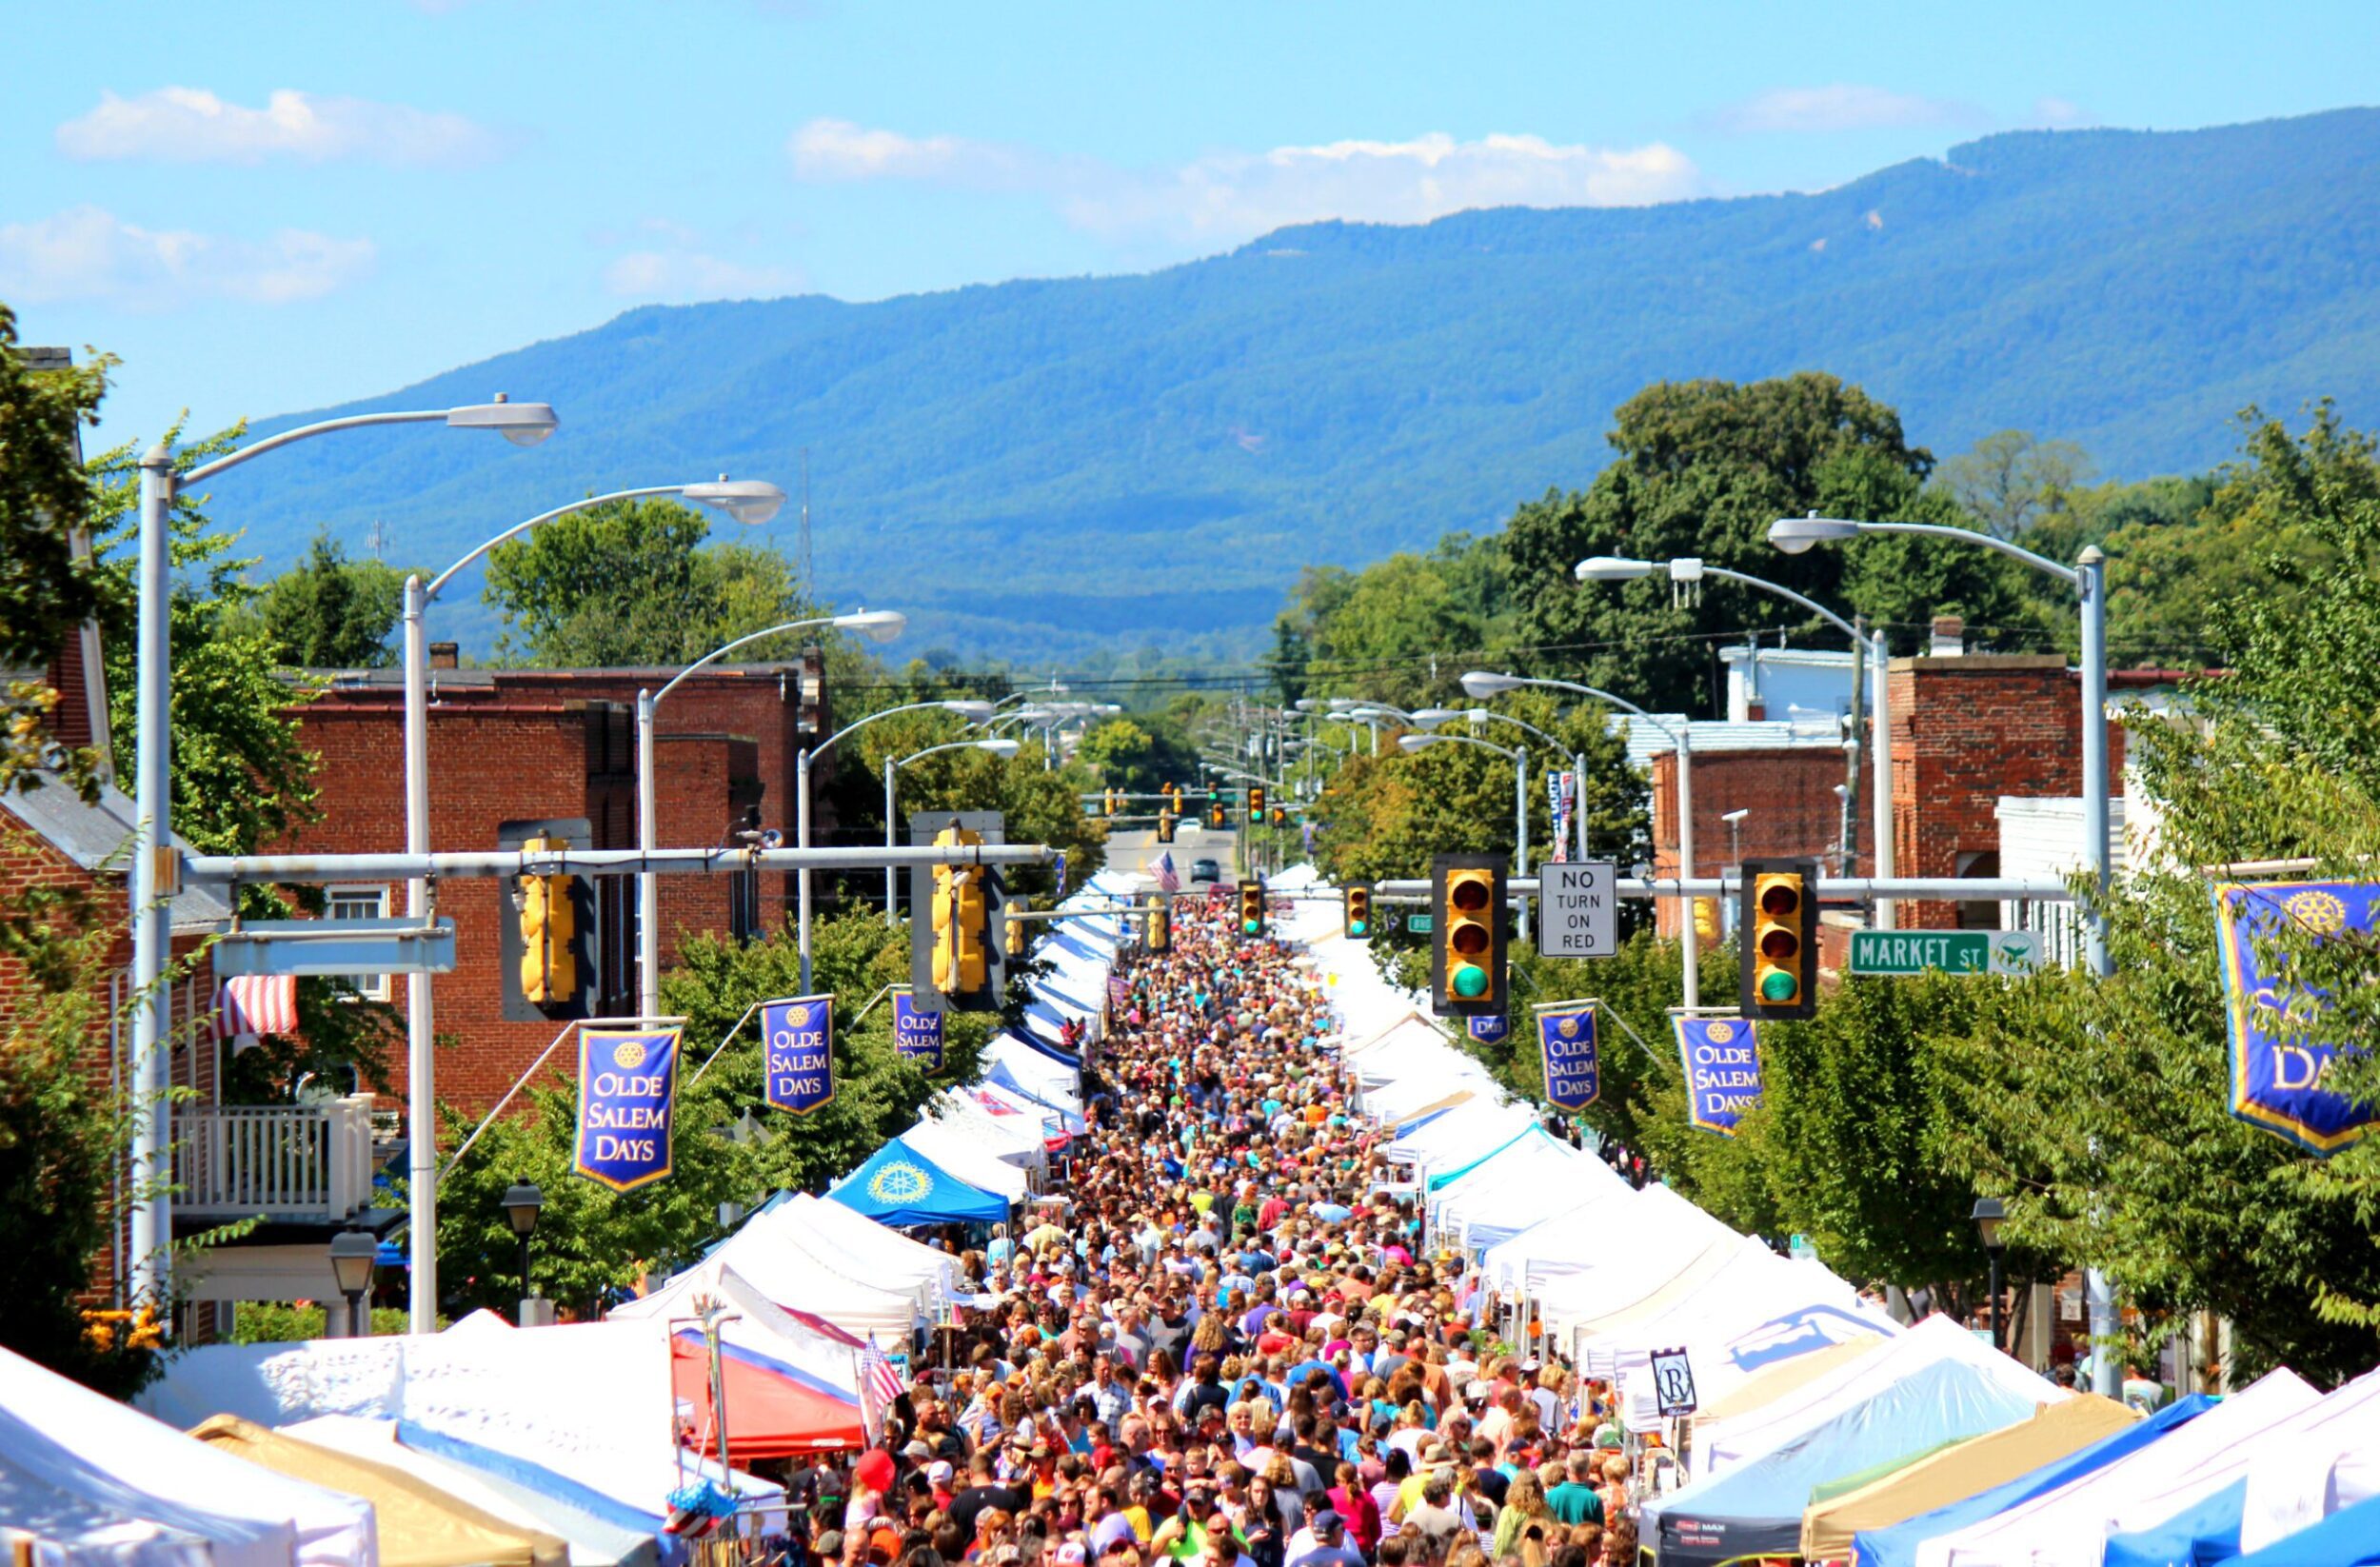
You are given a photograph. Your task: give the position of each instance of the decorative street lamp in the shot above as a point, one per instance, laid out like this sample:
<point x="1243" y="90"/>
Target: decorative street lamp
<point x="1989" y="1215"/>
<point x="522" y="1204"/>
<point x="353" y="1255"/>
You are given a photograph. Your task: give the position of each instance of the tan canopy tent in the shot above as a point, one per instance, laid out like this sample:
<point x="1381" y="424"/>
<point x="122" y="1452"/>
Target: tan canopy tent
<point x="1958" y="1472"/>
<point x="1772" y="1382"/>
<point x="420" y="1525"/>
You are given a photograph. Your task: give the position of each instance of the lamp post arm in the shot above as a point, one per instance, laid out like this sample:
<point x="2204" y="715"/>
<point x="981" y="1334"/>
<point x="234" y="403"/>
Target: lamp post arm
<point x="725" y="649"/>
<point x="1790" y="596"/>
<point x="273" y="443"/>
<point x="1621" y="702"/>
<point x="2066" y="574"/>
<point x="829" y="744"/>
<point x="1523" y="723"/>
<point x="440" y="581"/>
<point x="947" y="746"/>
<point x="1507" y="753"/>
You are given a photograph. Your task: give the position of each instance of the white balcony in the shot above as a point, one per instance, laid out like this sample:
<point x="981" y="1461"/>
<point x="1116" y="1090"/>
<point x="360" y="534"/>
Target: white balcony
<point x="303" y="1162"/>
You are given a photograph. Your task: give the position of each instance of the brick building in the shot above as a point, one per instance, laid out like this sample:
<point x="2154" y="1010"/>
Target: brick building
<point x="1783" y="775"/>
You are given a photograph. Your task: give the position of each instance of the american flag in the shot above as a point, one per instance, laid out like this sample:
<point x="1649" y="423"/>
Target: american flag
<point x="256" y="1004"/>
<point x="877" y="1376"/>
<point x="1167" y="877"/>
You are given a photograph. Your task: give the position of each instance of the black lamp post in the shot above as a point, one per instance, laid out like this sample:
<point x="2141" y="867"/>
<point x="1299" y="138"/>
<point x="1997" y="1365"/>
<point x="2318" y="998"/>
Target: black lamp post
<point x="521" y="1203"/>
<point x="1988" y="1217"/>
<point x="353" y="1255"/>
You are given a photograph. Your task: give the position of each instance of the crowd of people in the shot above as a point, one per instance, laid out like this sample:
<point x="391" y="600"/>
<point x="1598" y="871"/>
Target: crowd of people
<point x="1225" y="1340"/>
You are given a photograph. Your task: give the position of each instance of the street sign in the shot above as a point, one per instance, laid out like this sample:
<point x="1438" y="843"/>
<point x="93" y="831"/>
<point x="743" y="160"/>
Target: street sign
<point x="1417" y="924"/>
<point x="400" y="944"/>
<point x="1578" y="909"/>
<point x="1906" y="952"/>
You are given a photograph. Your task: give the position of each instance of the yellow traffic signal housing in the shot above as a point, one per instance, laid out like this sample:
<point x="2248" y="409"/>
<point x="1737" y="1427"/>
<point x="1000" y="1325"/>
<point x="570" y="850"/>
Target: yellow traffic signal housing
<point x="962" y="913"/>
<point x="1280" y="816"/>
<point x="1355" y="910"/>
<point x="549" y="929"/>
<point x="1107" y="802"/>
<point x="1467" y="938"/>
<point x="1251" y="909"/>
<point x="1779" y="926"/>
<point x="1707" y="918"/>
<point x="1256" y="805"/>
<point x="1215" y="815"/>
<point x="1158" y="932"/>
<point x="1020" y="940"/>
<point x="1164" y="826"/>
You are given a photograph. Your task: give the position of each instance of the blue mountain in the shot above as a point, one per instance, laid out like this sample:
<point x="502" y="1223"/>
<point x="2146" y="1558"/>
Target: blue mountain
<point x="1036" y="466"/>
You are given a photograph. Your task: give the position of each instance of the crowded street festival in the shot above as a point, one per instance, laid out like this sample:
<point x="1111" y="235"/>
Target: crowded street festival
<point x="1232" y="1257"/>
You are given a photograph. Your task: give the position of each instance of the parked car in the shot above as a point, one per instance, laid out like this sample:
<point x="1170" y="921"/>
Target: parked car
<point x="1206" y="870"/>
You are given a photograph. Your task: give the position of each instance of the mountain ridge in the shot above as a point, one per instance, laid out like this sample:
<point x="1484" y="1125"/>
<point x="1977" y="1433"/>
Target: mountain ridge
<point x="1041" y="464"/>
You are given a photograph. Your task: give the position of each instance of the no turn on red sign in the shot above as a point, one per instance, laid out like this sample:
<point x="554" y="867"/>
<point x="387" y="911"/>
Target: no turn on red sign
<point x="1578" y="909"/>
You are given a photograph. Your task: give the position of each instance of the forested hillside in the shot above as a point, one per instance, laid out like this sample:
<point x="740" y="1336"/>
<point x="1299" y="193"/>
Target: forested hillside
<point x="1027" y="466"/>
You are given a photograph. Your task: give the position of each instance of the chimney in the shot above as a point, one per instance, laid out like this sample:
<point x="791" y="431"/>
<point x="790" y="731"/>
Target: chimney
<point x="444" y="655"/>
<point x="1949" y="639"/>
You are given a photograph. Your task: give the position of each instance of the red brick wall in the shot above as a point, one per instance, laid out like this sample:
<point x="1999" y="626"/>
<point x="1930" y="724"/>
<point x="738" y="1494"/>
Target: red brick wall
<point x="1966" y="731"/>
<point x="1790" y="793"/>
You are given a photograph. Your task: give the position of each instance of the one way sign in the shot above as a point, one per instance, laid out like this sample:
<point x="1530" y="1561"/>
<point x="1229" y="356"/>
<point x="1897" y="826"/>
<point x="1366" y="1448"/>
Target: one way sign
<point x="1578" y="909"/>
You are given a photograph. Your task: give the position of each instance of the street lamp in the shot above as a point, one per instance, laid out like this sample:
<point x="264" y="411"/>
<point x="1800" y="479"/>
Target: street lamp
<point x="522" y="1204"/>
<point x="1615" y="568"/>
<point x="1519" y="756"/>
<point x="876" y="624"/>
<point x="353" y="1255"/>
<point x="154" y="870"/>
<point x="748" y="501"/>
<point x="1477" y="716"/>
<point x="1735" y="821"/>
<point x="1002" y="747"/>
<point x="968" y="709"/>
<point x="1989" y="1215"/>
<point x="1482" y="684"/>
<point x="2088" y="578"/>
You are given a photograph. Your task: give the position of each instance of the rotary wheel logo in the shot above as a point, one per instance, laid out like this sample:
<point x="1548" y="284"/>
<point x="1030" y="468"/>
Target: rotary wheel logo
<point x="2321" y="912"/>
<point x="1719" y="1033"/>
<point x="902" y="1182"/>
<point x="629" y="1055"/>
<point x="1567" y="1028"/>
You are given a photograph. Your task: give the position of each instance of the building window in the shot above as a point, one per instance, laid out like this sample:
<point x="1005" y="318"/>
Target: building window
<point x="1978" y="912"/>
<point x="359" y="903"/>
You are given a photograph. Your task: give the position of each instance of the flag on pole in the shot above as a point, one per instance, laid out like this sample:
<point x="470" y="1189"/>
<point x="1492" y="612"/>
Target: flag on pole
<point x="880" y="1384"/>
<point x="1167" y="877"/>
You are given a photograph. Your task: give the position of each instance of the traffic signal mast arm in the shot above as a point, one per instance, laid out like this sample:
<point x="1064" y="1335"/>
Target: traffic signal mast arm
<point x="228" y="869"/>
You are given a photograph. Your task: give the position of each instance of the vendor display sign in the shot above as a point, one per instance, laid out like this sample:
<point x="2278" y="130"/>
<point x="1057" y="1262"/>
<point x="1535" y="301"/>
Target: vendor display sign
<point x="628" y="1089"/>
<point x="1568" y="1050"/>
<point x="798" y="1055"/>
<point x="917" y="1032"/>
<point x="2279" y="1069"/>
<point x="1722" y="1061"/>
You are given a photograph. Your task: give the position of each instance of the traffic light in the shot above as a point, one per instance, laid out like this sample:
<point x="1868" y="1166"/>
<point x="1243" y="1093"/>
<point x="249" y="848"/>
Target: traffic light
<point x="1256" y="805"/>
<point x="1467" y="934"/>
<point x="550" y="929"/>
<point x="1251" y="909"/>
<point x="1280" y="816"/>
<point x="961" y="965"/>
<point x="1778" y="928"/>
<point x="1707" y="918"/>
<point x="1215" y="815"/>
<point x="1156" y="933"/>
<point x="1164" y="826"/>
<point x="1173" y="794"/>
<point x="1355" y="911"/>
<point x="1020" y="940"/>
<point x="1107" y="802"/>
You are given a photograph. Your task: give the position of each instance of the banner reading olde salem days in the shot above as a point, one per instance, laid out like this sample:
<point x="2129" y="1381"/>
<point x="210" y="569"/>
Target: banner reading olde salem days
<point x="627" y="1089"/>
<point x="917" y="1032"/>
<point x="2278" y="1072"/>
<point x="1722" y="1061"/>
<point x="1490" y="1027"/>
<point x="1568" y="1051"/>
<point x="798" y="1055"/>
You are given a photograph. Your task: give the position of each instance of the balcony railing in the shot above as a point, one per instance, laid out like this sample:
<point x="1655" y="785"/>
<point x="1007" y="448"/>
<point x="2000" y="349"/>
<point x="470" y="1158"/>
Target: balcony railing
<point x="283" y="1162"/>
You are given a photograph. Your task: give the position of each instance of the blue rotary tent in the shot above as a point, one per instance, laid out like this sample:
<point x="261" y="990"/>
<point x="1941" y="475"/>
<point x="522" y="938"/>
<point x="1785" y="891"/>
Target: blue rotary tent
<point x="1754" y="1509"/>
<point x="2348" y="1537"/>
<point x="900" y="1186"/>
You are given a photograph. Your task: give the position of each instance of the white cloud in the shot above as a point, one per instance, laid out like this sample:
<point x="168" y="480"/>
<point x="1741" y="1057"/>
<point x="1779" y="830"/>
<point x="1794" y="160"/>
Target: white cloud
<point x="2060" y="114"/>
<point x="683" y="274"/>
<point x="1843" y="106"/>
<point x="86" y="253"/>
<point x="190" y="124"/>
<point x="1233" y="196"/>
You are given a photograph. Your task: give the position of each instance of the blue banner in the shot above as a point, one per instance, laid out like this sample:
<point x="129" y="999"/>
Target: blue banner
<point x="2277" y="1070"/>
<point x="1574" y="1066"/>
<point x="917" y="1033"/>
<point x="797" y="1053"/>
<point x="1490" y="1027"/>
<point x="628" y="1089"/>
<point x="1722" y="1061"/>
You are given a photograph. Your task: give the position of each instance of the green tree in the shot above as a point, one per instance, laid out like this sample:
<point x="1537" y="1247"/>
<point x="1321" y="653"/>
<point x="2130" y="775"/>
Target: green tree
<point x="329" y="612"/>
<point x="2008" y="482"/>
<point x="45" y="495"/>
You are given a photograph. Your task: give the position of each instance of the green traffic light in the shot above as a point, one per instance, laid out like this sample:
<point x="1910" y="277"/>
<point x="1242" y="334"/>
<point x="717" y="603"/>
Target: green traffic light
<point x="1249" y="927"/>
<point x="1470" y="981"/>
<point x="1779" y="986"/>
<point x="1359" y="927"/>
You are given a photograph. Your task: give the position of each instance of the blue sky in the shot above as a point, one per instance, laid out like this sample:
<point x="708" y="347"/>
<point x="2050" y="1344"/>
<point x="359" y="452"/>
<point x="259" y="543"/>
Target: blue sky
<point x="266" y="208"/>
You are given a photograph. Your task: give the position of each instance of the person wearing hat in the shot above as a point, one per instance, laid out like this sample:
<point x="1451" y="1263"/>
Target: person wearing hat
<point x="1322" y="1544"/>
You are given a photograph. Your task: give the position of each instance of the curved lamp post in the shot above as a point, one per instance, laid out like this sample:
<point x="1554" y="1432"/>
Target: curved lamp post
<point x="876" y="624"/>
<point x="748" y="501"/>
<point x="1001" y="746"/>
<point x="152" y="1237"/>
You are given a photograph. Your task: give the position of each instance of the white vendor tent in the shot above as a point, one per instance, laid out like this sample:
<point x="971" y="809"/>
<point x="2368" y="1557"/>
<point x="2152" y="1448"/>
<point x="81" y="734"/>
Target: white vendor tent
<point x="2329" y="1460"/>
<point x="118" y="1476"/>
<point x="884" y="1255"/>
<point x="966" y="1158"/>
<point x="767" y="1259"/>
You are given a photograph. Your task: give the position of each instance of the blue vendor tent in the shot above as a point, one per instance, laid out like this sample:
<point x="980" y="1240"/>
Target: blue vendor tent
<point x="1754" y="1509"/>
<point x="900" y="1186"/>
<point x="2348" y="1537"/>
<point x="2205" y="1532"/>
<point x="1897" y="1546"/>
